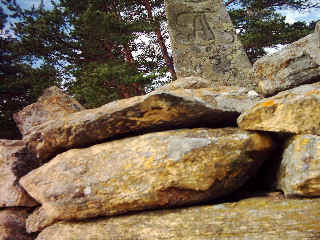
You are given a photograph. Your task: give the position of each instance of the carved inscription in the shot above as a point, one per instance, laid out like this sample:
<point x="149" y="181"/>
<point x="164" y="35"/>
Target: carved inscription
<point x="193" y="27"/>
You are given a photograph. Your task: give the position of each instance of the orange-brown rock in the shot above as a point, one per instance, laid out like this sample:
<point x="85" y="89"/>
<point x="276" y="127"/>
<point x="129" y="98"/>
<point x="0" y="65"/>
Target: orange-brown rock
<point x="53" y="104"/>
<point x="156" y="111"/>
<point x="294" y="65"/>
<point x="13" y="225"/>
<point x="293" y="111"/>
<point x="11" y="169"/>
<point x="266" y="217"/>
<point x="163" y="169"/>
<point x="299" y="172"/>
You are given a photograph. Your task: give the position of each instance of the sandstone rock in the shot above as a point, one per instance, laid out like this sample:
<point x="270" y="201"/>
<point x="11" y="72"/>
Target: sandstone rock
<point x="296" y="64"/>
<point x="11" y="169"/>
<point x="156" y="111"/>
<point x="12" y="225"/>
<point x="187" y="83"/>
<point x="155" y="170"/>
<point x="264" y="217"/>
<point x="299" y="173"/>
<point x="205" y="43"/>
<point x="53" y="104"/>
<point x="292" y="111"/>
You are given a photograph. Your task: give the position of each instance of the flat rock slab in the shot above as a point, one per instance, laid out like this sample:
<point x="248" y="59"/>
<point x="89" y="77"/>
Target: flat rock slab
<point x="53" y="104"/>
<point x="191" y="82"/>
<point x="163" y="169"/>
<point x="156" y="111"/>
<point x="299" y="173"/>
<point x="13" y="225"/>
<point x="294" y="65"/>
<point x="292" y="111"/>
<point x="205" y="43"/>
<point x="257" y="218"/>
<point x="11" y="169"/>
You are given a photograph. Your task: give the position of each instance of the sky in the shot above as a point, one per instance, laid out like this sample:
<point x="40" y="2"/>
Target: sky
<point x="292" y="15"/>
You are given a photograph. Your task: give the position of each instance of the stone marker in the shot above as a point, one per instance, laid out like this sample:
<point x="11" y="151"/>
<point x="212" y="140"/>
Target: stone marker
<point x="13" y="165"/>
<point x="53" y="104"/>
<point x="299" y="172"/>
<point x="205" y="43"/>
<point x="293" y="111"/>
<point x="163" y="169"/>
<point x="268" y="217"/>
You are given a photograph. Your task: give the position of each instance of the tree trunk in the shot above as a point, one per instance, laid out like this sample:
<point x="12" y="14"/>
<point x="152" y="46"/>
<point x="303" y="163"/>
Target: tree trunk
<point x="160" y="40"/>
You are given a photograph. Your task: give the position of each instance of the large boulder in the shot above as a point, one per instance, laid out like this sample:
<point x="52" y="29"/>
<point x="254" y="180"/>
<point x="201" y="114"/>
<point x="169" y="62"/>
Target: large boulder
<point x="156" y="111"/>
<point x="267" y="217"/>
<point x="13" y="225"/>
<point x="292" y="111"/>
<point x="13" y="165"/>
<point x="163" y="169"/>
<point x="299" y="173"/>
<point x="53" y="104"/>
<point x="296" y="64"/>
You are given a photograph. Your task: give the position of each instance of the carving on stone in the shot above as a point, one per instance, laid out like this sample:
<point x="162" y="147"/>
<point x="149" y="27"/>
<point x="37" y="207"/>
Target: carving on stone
<point x="205" y="43"/>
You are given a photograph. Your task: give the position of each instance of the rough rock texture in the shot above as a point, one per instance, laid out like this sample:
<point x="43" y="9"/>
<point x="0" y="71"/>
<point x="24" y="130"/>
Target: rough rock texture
<point x="317" y="32"/>
<point x="12" y="225"/>
<point x="155" y="170"/>
<point x="299" y="173"/>
<point x="292" y="111"/>
<point x="266" y="217"/>
<point x="11" y="194"/>
<point x="205" y="43"/>
<point x="296" y="64"/>
<point x="53" y="104"/>
<point x="187" y="83"/>
<point x="156" y="111"/>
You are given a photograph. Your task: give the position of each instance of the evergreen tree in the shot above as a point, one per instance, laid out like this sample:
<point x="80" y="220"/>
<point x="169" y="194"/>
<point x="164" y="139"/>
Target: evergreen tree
<point x="260" y="25"/>
<point x="20" y="83"/>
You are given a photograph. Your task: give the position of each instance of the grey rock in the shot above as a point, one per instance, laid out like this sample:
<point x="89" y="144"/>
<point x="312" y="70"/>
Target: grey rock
<point x="299" y="172"/>
<point x="294" y="65"/>
<point x="205" y="43"/>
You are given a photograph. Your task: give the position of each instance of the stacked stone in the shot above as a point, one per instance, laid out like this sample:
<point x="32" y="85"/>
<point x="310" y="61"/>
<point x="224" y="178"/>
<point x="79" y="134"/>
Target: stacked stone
<point x="178" y="147"/>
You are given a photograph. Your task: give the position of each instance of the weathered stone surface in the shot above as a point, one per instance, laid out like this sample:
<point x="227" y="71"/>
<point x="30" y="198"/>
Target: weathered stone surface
<point x="292" y="111"/>
<point x="317" y="32"/>
<point x="205" y="43"/>
<point x="299" y="173"/>
<point x="12" y="225"/>
<point x="266" y="217"/>
<point x="156" y="111"/>
<point x="53" y="104"/>
<point x="296" y="64"/>
<point x="11" y="194"/>
<point x="187" y="83"/>
<point x="155" y="170"/>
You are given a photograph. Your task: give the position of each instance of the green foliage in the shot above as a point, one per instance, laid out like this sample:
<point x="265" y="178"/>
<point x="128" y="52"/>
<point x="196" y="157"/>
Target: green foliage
<point x="261" y="26"/>
<point x="107" y="82"/>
